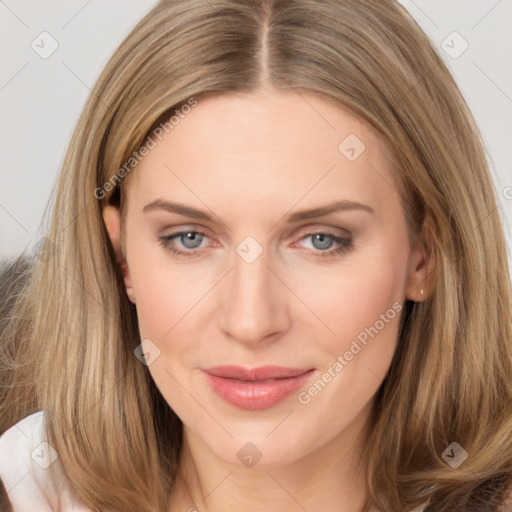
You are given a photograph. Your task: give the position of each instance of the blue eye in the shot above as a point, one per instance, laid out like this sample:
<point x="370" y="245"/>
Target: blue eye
<point x="326" y="241"/>
<point x="191" y="241"/>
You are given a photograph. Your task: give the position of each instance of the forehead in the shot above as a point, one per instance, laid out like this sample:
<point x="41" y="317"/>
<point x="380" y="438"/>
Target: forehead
<point x="270" y="146"/>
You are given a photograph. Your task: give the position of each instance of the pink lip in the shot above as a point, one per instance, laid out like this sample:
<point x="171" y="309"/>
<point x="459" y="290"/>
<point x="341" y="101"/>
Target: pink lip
<point x="255" y="388"/>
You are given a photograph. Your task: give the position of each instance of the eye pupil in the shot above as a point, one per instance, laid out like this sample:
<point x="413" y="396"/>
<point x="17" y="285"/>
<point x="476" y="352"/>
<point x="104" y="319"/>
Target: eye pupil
<point x="191" y="236"/>
<point x="325" y="240"/>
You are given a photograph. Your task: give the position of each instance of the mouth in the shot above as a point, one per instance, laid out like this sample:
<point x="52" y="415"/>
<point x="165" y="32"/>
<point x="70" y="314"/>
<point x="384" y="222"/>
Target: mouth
<point x="256" y="388"/>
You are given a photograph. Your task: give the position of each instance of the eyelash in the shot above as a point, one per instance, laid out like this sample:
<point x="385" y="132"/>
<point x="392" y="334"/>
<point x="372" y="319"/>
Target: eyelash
<point x="345" y="244"/>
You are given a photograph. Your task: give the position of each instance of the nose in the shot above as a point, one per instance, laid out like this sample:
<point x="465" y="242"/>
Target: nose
<point x="254" y="308"/>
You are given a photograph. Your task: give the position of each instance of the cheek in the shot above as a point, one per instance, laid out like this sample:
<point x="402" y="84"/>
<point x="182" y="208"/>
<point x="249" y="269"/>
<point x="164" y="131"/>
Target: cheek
<point x="351" y="297"/>
<point x="165" y="299"/>
<point x="164" y="290"/>
<point x="364" y="317"/>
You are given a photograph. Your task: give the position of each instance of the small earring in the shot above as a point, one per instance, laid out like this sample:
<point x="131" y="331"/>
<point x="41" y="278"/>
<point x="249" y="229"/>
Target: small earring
<point x="421" y="291"/>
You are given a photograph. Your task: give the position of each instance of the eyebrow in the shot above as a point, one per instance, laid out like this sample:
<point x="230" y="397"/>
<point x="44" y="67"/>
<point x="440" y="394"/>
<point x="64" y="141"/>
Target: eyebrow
<point x="320" y="211"/>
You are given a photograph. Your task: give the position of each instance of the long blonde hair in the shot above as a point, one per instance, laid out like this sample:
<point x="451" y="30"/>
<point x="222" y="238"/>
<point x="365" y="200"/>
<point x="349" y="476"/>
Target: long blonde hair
<point x="68" y="348"/>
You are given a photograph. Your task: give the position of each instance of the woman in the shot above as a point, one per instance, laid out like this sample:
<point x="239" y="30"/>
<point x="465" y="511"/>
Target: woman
<point x="191" y="342"/>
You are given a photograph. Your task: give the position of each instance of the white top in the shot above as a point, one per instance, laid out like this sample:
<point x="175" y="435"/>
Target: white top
<point x="25" y="457"/>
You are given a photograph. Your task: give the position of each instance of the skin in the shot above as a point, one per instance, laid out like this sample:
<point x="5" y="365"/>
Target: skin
<point x="250" y="160"/>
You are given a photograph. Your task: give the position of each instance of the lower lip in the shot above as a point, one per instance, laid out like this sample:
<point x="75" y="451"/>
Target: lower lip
<point x="256" y="395"/>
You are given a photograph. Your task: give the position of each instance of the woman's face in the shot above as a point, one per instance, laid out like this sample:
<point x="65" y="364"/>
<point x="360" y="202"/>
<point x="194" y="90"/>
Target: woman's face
<point x="261" y="282"/>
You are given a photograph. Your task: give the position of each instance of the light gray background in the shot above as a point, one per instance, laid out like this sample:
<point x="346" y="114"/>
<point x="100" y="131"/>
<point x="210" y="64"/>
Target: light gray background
<point x="41" y="99"/>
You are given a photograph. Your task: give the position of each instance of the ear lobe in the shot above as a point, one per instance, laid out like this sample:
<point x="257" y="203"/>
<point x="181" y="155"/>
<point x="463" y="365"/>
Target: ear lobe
<point x="112" y="220"/>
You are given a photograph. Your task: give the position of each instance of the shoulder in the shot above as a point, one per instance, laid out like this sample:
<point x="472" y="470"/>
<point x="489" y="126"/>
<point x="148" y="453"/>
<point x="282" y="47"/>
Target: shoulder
<point x="25" y="461"/>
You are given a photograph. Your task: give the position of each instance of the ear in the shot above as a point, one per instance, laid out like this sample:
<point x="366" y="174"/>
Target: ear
<point x="112" y="219"/>
<point x="418" y="270"/>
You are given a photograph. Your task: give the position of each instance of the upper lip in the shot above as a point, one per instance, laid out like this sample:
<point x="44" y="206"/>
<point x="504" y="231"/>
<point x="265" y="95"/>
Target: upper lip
<point x="255" y="374"/>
